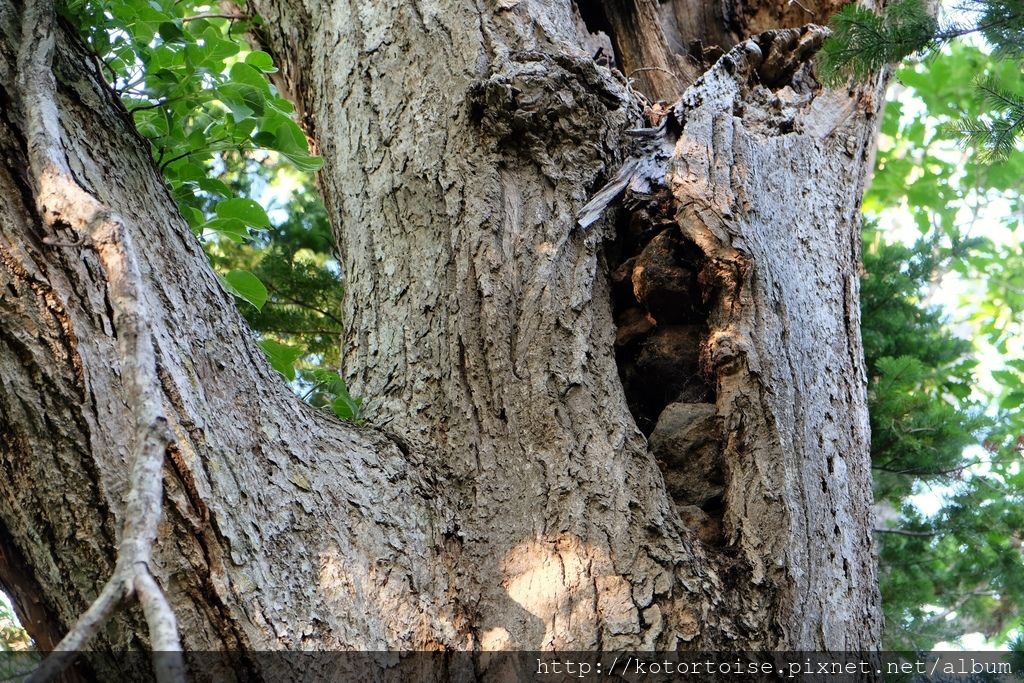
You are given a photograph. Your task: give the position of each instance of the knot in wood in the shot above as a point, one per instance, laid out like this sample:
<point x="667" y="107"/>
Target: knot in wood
<point x="541" y="105"/>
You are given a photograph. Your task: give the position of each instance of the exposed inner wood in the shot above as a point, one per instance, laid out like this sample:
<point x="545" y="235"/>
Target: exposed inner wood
<point x="661" y="326"/>
<point x="664" y="45"/>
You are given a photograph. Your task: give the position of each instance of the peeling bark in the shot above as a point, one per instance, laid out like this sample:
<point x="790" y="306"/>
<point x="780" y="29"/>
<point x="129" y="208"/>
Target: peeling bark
<point x="526" y="508"/>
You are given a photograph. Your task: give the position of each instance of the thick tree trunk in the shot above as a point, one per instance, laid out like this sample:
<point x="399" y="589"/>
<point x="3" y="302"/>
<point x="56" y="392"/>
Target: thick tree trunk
<point x="507" y="497"/>
<point x="281" y="524"/>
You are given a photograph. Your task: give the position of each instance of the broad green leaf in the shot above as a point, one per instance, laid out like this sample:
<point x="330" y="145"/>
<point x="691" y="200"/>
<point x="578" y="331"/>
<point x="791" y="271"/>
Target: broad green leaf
<point x="262" y="61"/>
<point x="246" y="286"/>
<point x="193" y="215"/>
<point x="306" y="162"/>
<point x="188" y="171"/>
<point x="290" y="138"/>
<point x="346" y="407"/>
<point x="242" y="99"/>
<point x="265" y="139"/>
<point x="231" y="228"/>
<point x="244" y="210"/>
<point x="171" y="32"/>
<point x="243" y="73"/>
<point x="282" y="357"/>
<point x="151" y="123"/>
<point x="290" y="141"/>
<point x="214" y="186"/>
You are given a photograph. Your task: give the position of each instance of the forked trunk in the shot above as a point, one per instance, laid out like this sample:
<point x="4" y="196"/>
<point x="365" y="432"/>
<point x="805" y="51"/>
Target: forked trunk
<point x="649" y="433"/>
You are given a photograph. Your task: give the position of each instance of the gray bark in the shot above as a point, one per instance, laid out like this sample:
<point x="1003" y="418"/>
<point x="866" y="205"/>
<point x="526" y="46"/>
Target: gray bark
<point x="505" y="497"/>
<point x="279" y="522"/>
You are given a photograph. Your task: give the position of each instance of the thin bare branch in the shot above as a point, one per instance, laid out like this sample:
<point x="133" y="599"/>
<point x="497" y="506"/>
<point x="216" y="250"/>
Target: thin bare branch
<point x="63" y="203"/>
<point x="168" y="664"/>
<point x="197" y="17"/>
<point x="88" y="625"/>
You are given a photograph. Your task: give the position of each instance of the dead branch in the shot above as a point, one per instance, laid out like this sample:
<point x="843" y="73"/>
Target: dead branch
<point x="62" y="202"/>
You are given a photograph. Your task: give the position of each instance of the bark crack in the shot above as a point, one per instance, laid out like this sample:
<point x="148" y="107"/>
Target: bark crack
<point x="661" y="313"/>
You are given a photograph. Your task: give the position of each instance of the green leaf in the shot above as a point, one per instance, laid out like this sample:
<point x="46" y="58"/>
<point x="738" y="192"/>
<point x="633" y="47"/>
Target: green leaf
<point x="152" y="123"/>
<point x="241" y="131"/>
<point x="346" y="407"/>
<point x="211" y="54"/>
<point x="290" y="138"/>
<point x="244" y="210"/>
<point x="231" y="228"/>
<point x="1012" y="400"/>
<point x="242" y="99"/>
<point x="306" y="162"/>
<point x="282" y="357"/>
<point x="292" y="143"/>
<point x="280" y="133"/>
<point x="187" y="171"/>
<point x="246" y="286"/>
<point x="214" y="187"/>
<point x="262" y="61"/>
<point x="265" y="139"/>
<point x="171" y="33"/>
<point x="220" y="49"/>
<point x="1005" y="377"/>
<point x="194" y="217"/>
<point x="243" y="73"/>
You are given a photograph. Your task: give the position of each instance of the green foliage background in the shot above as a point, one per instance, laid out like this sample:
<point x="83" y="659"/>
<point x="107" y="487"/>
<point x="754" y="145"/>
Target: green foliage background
<point x="944" y="216"/>
<point x="229" y="149"/>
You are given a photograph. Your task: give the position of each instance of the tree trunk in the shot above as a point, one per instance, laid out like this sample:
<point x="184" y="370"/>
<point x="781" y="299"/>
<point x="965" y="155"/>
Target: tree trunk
<point x="650" y="433"/>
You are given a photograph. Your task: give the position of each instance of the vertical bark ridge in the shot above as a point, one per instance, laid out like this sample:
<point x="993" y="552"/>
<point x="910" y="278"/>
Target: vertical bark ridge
<point x="787" y="356"/>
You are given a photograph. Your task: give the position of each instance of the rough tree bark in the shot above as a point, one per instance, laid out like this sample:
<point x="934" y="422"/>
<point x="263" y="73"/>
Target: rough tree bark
<point x="514" y="365"/>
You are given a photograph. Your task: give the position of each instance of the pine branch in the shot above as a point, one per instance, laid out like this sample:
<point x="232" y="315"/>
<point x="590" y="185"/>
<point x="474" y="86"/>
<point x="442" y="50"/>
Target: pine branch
<point x="863" y="42"/>
<point x="994" y="136"/>
<point x="998" y="98"/>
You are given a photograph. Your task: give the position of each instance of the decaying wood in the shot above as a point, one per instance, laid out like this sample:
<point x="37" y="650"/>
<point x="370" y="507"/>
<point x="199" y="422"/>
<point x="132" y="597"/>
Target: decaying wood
<point x="520" y="505"/>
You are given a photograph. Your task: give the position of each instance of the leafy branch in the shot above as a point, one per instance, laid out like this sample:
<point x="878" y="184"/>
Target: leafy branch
<point x="201" y="94"/>
<point x="995" y="136"/>
<point x="863" y="42"/>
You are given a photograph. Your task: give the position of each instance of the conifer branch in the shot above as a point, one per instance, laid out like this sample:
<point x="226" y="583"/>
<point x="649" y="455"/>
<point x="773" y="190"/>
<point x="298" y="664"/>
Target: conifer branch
<point x="863" y="42"/>
<point x="994" y="136"/>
